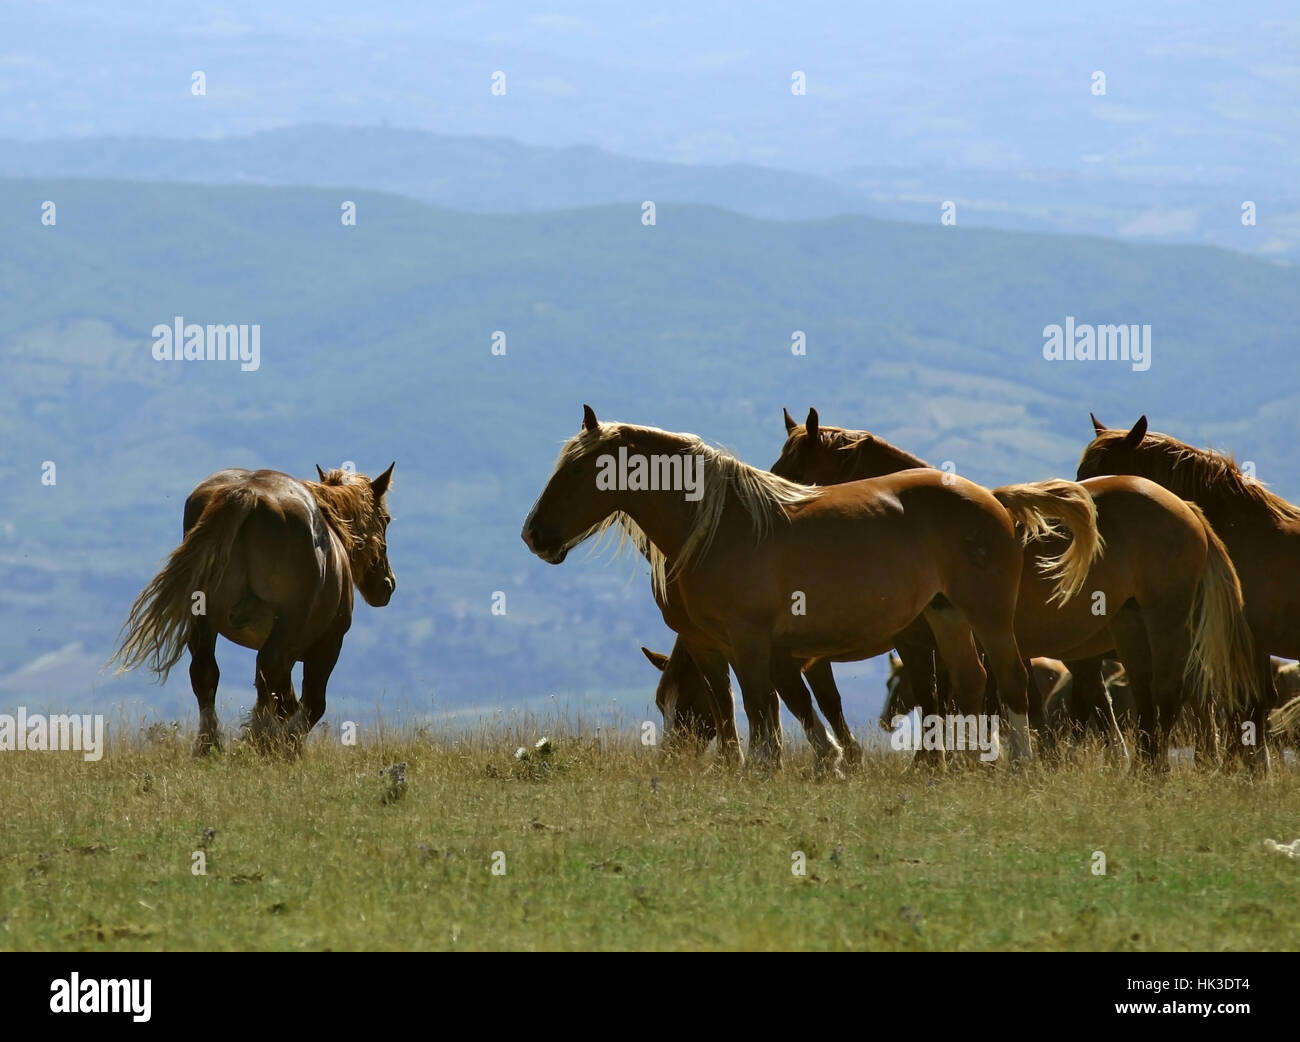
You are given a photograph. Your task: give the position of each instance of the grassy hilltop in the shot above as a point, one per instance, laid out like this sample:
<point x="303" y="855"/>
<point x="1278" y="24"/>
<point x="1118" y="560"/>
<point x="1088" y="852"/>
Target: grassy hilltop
<point x="607" y="846"/>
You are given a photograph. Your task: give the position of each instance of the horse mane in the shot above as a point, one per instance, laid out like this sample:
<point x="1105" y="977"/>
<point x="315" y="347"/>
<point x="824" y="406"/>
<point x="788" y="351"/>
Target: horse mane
<point x="350" y="508"/>
<point x="863" y="443"/>
<point x="1202" y="475"/>
<point x="760" y="493"/>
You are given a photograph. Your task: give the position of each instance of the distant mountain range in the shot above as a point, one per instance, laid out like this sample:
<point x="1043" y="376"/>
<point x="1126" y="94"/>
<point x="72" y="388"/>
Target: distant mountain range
<point x="496" y="175"/>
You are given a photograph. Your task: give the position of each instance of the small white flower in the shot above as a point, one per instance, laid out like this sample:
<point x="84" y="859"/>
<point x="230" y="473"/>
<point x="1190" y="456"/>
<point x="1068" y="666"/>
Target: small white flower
<point x="521" y="753"/>
<point x="543" y="745"/>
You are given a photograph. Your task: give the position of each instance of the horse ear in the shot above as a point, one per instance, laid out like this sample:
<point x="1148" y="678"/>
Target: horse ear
<point x="589" y="421"/>
<point x="811" y="424"/>
<point x="1097" y="425"/>
<point x="790" y="425"/>
<point x="320" y="472"/>
<point x="659" y="661"/>
<point x="1134" y="437"/>
<point x="380" y="485"/>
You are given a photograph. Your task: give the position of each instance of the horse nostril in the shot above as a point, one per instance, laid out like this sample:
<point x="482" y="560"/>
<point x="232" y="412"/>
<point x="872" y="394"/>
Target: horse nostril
<point x="529" y="537"/>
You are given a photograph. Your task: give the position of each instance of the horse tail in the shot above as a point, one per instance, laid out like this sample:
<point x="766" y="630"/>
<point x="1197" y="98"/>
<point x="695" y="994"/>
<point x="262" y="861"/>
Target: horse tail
<point x="161" y="620"/>
<point x="1221" y="666"/>
<point x="1035" y="506"/>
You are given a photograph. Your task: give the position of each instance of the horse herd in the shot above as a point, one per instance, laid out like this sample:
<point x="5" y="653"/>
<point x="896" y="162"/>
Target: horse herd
<point x="1165" y="557"/>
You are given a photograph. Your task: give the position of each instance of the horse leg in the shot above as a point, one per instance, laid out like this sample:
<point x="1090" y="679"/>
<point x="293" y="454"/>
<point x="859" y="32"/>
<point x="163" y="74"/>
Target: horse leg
<point x="794" y="693"/>
<point x="931" y="689"/>
<point x="1154" y="719"/>
<point x="317" y="664"/>
<point x="274" y="677"/>
<point x="1090" y="705"/>
<point x="753" y="666"/>
<point x="822" y="681"/>
<point x="717" y="678"/>
<point x="956" y="646"/>
<point x="1206" y="732"/>
<point x="1252" y="741"/>
<point x="204" y="676"/>
<point x="286" y="702"/>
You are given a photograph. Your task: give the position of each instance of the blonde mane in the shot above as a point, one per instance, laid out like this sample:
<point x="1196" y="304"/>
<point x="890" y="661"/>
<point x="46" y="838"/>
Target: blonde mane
<point x="761" y="494"/>
<point x="1202" y="475"/>
<point x="349" y="506"/>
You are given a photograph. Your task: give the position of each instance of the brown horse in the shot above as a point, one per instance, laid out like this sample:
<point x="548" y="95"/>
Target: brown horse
<point x="1164" y="595"/>
<point x="1261" y="531"/>
<point x="685" y="697"/>
<point x="901" y="696"/>
<point x="269" y="562"/>
<point x="763" y="570"/>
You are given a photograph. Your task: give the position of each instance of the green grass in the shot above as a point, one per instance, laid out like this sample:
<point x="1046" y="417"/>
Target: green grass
<point x="611" y="847"/>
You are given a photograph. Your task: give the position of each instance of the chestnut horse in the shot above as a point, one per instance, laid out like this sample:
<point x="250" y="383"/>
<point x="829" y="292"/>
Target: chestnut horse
<point x="1164" y="595"/>
<point x="1260" y="529"/>
<point x="758" y="569"/>
<point x="269" y="562"/>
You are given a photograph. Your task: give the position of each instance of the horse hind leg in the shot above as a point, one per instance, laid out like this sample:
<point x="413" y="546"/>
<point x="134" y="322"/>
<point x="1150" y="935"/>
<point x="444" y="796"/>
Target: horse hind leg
<point x="1156" y="700"/>
<point x="790" y="686"/>
<point x="204" y="676"/>
<point x="274" y="682"/>
<point x="822" y="681"/>
<point x="955" y="641"/>
<point x="932" y="690"/>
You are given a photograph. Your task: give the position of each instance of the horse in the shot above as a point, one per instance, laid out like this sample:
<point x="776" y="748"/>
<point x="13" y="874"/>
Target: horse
<point x="687" y="718"/>
<point x="1063" y="713"/>
<point x="1262" y="533"/>
<point x="1045" y="674"/>
<point x="269" y="562"/>
<point x="1164" y="594"/>
<point x="761" y="570"/>
<point x="684" y="695"/>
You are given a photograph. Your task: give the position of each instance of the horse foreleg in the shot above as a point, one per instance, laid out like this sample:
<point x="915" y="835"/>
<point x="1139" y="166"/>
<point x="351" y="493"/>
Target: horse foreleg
<point x="204" y="676"/>
<point x="822" y="681"/>
<point x="753" y="666"/>
<point x="317" y="664"/>
<point x="789" y="684"/>
<point x="722" y="703"/>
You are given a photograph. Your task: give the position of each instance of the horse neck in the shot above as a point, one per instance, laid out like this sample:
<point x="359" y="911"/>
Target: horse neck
<point x="873" y="457"/>
<point x="666" y="518"/>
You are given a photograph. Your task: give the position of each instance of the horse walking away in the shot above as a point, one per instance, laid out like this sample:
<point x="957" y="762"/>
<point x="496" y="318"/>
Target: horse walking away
<point x="1262" y="533"/>
<point x="1164" y="595"/>
<point x="766" y="572"/>
<point x="268" y="562"/>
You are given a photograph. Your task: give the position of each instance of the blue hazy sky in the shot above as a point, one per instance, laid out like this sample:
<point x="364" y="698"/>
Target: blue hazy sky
<point x="1202" y="92"/>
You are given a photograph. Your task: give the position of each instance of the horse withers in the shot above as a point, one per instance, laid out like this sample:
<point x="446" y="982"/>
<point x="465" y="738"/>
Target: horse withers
<point x="269" y="562"/>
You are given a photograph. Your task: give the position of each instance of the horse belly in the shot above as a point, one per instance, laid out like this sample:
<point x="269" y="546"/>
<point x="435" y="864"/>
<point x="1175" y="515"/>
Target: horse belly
<point x="858" y="614"/>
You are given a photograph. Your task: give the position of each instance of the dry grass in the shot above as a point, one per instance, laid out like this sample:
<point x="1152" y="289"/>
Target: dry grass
<point x="609" y="846"/>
